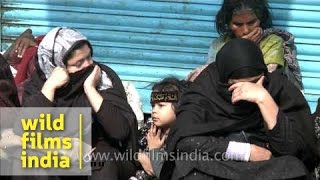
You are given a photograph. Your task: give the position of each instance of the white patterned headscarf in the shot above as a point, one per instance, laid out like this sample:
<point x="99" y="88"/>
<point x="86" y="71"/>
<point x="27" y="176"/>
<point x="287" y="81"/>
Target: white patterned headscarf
<point x="54" y="47"/>
<point x="58" y="40"/>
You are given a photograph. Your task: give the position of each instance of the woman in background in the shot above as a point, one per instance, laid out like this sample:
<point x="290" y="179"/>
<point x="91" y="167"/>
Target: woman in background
<point x="251" y="19"/>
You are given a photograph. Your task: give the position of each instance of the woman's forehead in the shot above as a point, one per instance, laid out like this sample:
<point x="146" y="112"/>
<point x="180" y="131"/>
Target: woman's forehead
<point x="244" y="13"/>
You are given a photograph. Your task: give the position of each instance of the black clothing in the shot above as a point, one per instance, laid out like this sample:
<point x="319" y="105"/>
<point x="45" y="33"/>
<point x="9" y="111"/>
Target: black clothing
<point x="206" y="121"/>
<point x="114" y="127"/>
<point x="8" y="89"/>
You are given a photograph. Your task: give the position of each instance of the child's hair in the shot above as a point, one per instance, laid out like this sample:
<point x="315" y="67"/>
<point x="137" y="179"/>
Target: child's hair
<point x="229" y="7"/>
<point x="171" y="84"/>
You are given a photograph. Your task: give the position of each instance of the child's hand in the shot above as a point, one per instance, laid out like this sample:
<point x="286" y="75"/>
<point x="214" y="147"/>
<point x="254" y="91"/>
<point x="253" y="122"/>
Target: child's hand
<point x="154" y="139"/>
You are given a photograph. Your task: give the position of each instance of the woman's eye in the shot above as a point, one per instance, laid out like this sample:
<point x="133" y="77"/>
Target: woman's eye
<point x="79" y="63"/>
<point x="237" y="24"/>
<point x="252" y="22"/>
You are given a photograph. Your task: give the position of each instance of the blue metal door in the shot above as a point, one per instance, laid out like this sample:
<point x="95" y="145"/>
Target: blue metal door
<point x="147" y="40"/>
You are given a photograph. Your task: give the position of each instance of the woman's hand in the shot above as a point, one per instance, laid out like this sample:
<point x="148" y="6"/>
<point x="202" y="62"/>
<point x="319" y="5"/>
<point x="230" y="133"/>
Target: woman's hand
<point x="58" y="78"/>
<point x="18" y="48"/>
<point x="145" y="163"/>
<point x="272" y="67"/>
<point x="153" y="138"/>
<point x="90" y="85"/>
<point x="256" y="93"/>
<point x="195" y="73"/>
<point x="24" y="41"/>
<point x="258" y="153"/>
<point x="93" y="79"/>
<point x="254" y="35"/>
<point x="248" y="91"/>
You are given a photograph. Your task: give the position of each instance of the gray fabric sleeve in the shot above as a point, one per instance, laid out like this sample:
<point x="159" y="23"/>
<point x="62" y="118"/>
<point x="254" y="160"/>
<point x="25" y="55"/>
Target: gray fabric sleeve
<point x="215" y="46"/>
<point x="211" y="54"/>
<point x="157" y="160"/>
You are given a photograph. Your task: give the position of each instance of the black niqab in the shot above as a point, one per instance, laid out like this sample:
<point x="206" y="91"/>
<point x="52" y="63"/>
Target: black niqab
<point x="206" y="108"/>
<point x="233" y="63"/>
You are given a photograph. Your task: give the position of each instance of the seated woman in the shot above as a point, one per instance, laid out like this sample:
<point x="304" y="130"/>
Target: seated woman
<point x="8" y="98"/>
<point x="251" y="19"/>
<point x="8" y="89"/>
<point x="241" y="122"/>
<point x="67" y="76"/>
<point x="21" y="58"/>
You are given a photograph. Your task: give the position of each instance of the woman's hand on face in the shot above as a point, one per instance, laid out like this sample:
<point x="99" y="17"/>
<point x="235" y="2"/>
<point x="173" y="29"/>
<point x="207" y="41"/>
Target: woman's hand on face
<point x="248" y="91"/>
<point x="58" y="78"/>
<point x="258" y="153"/>
<point x="254" y="35"/>
<point x="93" y="79"/>
<point x="92" y="93"/>
<point x="154" y="138"/>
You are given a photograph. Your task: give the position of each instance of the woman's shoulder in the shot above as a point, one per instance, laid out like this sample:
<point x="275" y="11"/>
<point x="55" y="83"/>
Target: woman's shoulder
<point x="272" y="39"/>
<point x="109" y="76"/>
<point x="109" y="71"/>
<point x="220" y="40"/>
<point x="215" y="46"/>
<point x="278" y="81"/>
<point x="106" y="68"/>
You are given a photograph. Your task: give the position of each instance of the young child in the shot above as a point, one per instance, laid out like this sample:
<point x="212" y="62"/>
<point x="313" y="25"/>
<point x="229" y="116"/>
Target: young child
<point x="164" y="100"/>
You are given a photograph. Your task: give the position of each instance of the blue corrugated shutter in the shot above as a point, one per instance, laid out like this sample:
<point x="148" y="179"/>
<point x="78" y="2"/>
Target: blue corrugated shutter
<point x="147" y="40"/>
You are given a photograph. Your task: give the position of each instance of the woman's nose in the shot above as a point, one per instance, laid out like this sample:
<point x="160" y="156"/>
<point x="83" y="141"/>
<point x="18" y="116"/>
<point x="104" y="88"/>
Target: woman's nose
<point x="87" y="63"/>
<point x="245" y="30"/>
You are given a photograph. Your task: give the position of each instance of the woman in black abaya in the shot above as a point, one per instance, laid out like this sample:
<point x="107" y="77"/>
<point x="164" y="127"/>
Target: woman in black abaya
<point x="251" y="124"/>
<point x="67" y="76"/>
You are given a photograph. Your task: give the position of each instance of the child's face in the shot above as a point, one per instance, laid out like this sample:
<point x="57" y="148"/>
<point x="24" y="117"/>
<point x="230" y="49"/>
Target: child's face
<point x="163" y="114"/>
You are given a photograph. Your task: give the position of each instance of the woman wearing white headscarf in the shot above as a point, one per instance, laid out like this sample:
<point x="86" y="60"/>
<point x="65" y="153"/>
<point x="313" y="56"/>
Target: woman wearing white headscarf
<point x="67" y="76"/>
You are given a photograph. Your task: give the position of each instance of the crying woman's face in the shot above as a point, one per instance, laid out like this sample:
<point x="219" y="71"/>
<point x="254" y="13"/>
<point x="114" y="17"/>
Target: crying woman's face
<point x="81" y="59"/>
<point x="253" y="79"/>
